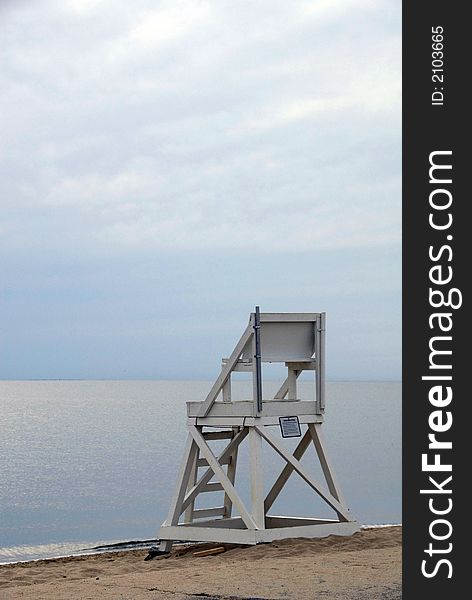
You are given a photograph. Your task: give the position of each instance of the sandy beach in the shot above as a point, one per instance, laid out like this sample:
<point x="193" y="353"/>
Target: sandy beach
<point x="364" y="566"/>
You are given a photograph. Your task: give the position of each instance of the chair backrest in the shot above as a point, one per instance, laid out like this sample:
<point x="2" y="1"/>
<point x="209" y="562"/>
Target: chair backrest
<point x="284" y="341"/>
<point x="296" y="339"/>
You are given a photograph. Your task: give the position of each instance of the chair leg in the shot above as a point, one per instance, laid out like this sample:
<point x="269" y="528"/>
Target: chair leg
<point x="328" y="472"/>
<point x="175" y="510"/>
<point x="231" y="472"/>
<point x="257" y="482"/>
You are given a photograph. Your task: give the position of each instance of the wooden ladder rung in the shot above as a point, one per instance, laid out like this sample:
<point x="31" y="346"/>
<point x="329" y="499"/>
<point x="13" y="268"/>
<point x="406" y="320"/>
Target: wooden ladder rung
<point x="202" y="462"/>
<point x="201" y="513"/>
<point x="213" y="487"/>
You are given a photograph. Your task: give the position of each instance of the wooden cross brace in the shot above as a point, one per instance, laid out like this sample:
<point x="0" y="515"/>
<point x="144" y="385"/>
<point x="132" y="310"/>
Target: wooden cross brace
<point x="254" y="518"/>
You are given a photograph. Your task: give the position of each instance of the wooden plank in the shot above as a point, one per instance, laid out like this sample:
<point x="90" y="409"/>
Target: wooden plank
<point x="268" y="421"/>
<point x="216" y="421"/>
<point x="273" y="408"/>
<point x="225" y="372"/>
<point x="233" y="523"/>
<point x="286" y="472"/>
<point x="304" y="474"/>
<point x="213" y="486"/>
<point x="227" y="389"/>
<point x="274" y="521"/>
<point x="231" y="473"/>
<point x="285" y="400"/>
<point x="176" y="508"/>
<point x="308" y="365"/>
<point x="208" y="534"/>
<point x="203" y="513"/>
<point x="250" y="421"/>
<point x="210" y="551"/>
<point x="288" y="317"/>
<point x="202" y="462"/>
<point x="223" y="479"/>
<point x="256" y="473"/>
<point x="205" y="478"/>
<point x="188" y="515"/>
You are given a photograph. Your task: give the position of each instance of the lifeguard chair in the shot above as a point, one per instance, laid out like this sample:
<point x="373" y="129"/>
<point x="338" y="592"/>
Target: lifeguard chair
<point x="298" y="341"/>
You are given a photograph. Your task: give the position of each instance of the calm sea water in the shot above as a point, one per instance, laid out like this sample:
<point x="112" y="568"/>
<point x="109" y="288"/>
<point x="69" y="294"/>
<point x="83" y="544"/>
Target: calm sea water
<point x="83" y="463"/>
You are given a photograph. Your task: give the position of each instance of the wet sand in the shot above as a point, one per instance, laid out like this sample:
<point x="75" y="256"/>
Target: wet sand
<point x="364" y="566"/>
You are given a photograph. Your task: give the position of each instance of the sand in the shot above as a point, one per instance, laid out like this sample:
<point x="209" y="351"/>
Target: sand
<point x="364" y="566"/>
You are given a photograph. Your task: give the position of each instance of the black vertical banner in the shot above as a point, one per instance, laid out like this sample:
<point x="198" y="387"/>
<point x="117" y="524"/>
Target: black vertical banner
<point x="437" y="263"/>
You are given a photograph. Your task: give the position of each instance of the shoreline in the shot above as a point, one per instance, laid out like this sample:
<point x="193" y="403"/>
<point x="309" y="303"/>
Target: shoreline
<point x="362" y="566"/>
<point x="125" y="546"/>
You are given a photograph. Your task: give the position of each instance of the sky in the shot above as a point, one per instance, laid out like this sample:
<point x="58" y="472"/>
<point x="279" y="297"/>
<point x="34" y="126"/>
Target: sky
<point x="167" y="165"/>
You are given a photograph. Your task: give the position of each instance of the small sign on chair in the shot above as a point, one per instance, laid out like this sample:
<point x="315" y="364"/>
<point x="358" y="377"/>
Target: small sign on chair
<point x="290" y="427"/>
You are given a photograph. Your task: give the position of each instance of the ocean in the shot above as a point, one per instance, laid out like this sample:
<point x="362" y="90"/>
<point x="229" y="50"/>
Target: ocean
<point x="92" y="463"/>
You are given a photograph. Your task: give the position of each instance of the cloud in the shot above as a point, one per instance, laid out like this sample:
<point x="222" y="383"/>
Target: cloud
<point x="168" y="163"/>
<point x="203" y="125"/>
<point x="170" y="22"/>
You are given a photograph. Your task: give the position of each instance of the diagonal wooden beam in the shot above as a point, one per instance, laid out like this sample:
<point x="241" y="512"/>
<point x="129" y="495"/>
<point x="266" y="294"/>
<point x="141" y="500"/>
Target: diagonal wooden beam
<point x="304" y="474"/>
<point x="225" y="372"/>
<point x="328" y="473"/>
<point x="231" y="472"/>
<point x="205" y="478"/>
<point x="191" y="482"/>
<point x="283" y="390"/>
<point x="286" y="472"/>
<point x="222" y="477"/>
<point x="176" y="508"/>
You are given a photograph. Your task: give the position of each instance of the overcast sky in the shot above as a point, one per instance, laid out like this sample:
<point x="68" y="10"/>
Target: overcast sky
<point x="166" y="165"/>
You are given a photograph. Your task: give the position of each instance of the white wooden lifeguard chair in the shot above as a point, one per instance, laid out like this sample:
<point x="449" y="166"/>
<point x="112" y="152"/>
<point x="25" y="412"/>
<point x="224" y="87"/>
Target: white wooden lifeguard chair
<point x="298" y="340"/>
